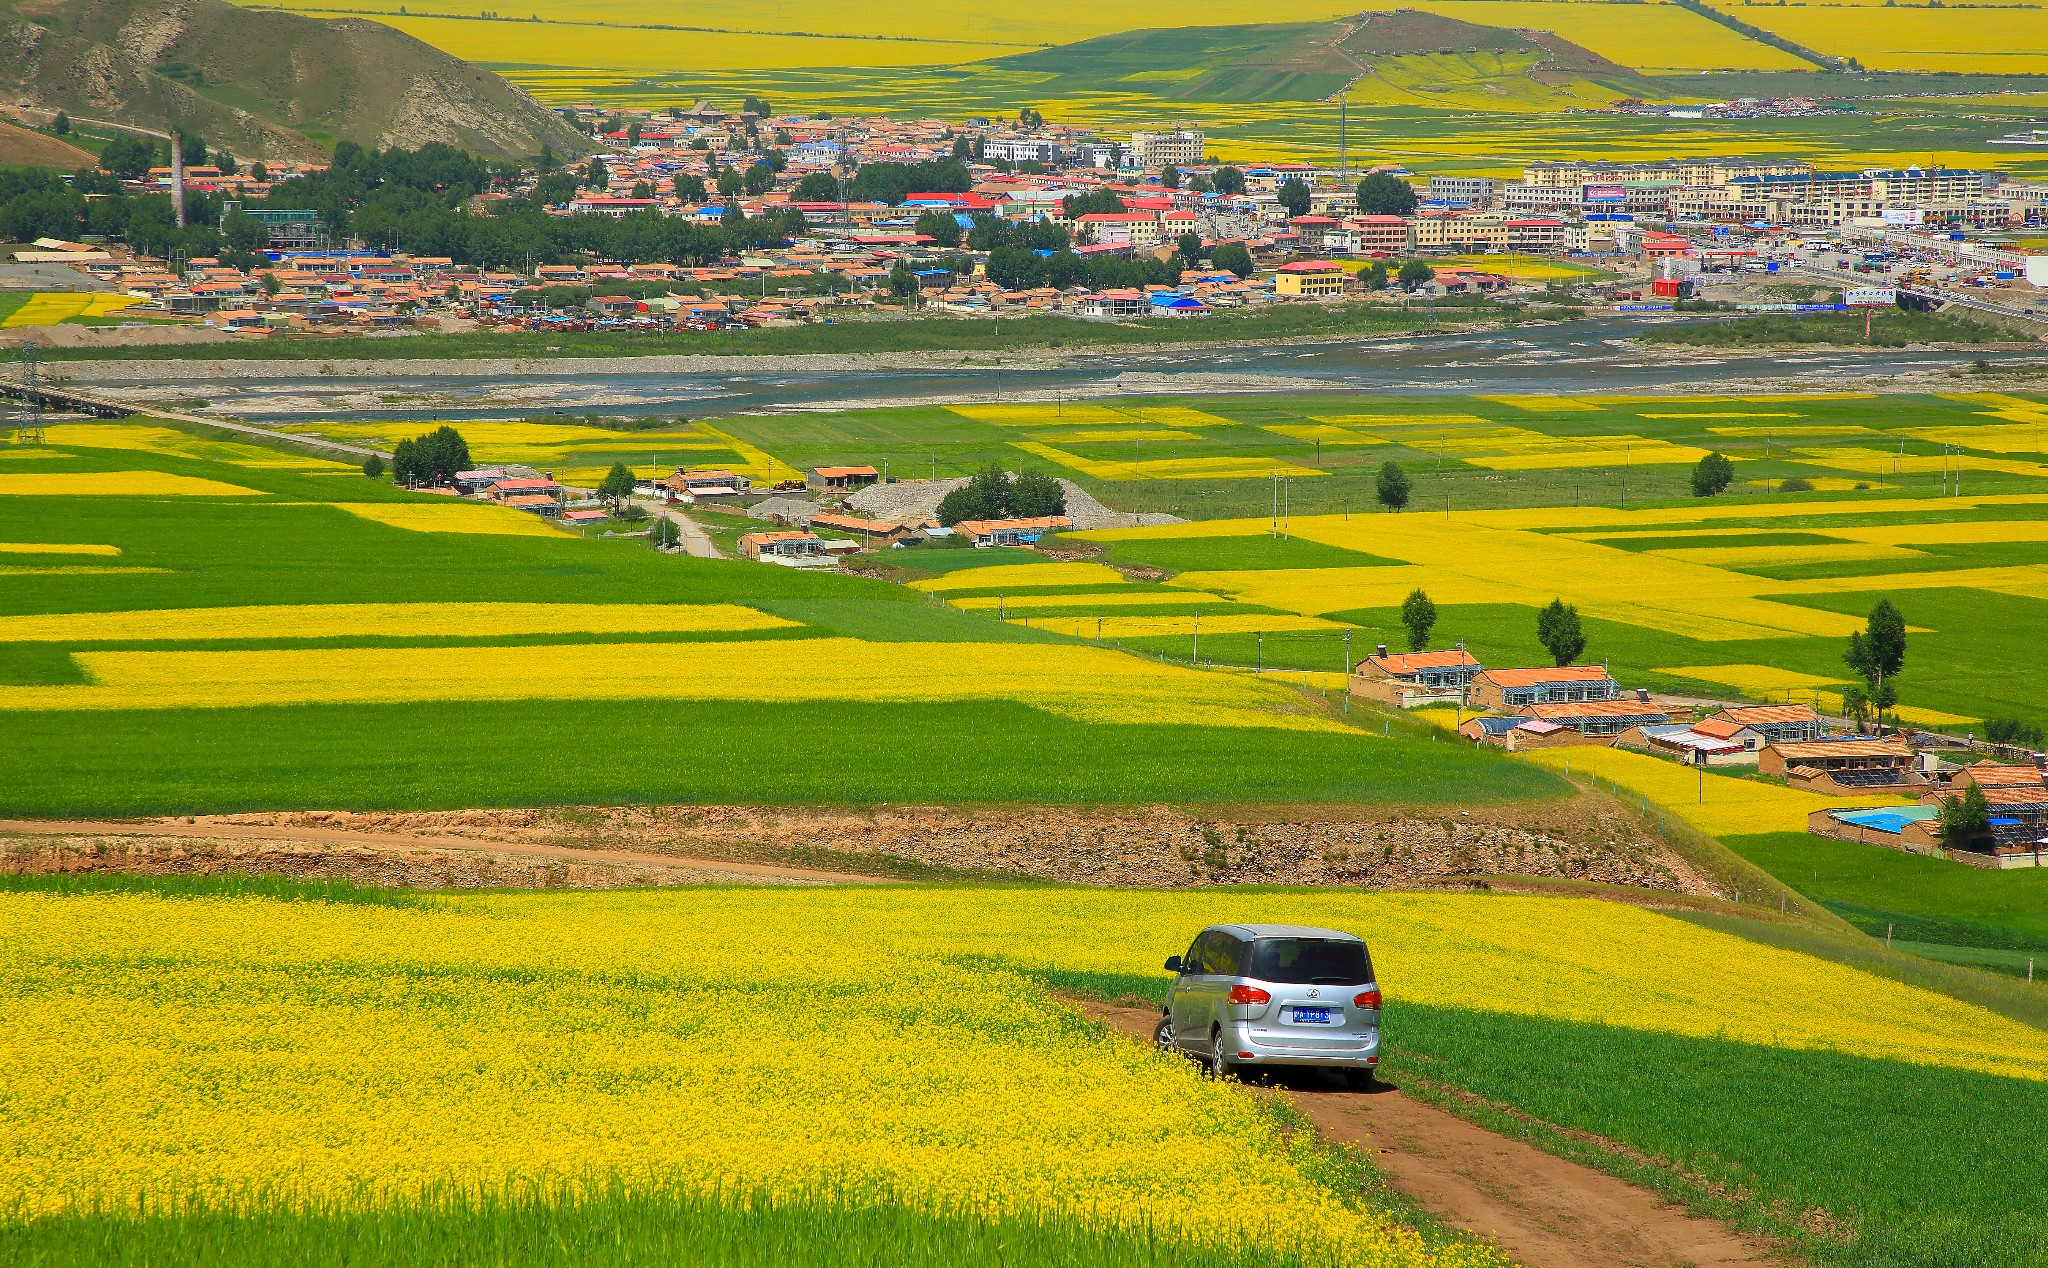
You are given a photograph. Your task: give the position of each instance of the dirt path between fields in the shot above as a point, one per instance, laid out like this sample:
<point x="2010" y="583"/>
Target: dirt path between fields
<point x="1544" y="1211"/>
<point x="85" y="843"/>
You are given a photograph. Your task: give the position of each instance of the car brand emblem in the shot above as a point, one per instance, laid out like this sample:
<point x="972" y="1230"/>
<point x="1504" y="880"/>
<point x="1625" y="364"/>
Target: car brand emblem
<point x="1313" y="993"/>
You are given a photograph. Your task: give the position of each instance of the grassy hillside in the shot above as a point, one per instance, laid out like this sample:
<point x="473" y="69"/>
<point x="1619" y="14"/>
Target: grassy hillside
<point x="261" y="84"/>
<point x="24" y="147"/>
<point x="1386" y="58"/>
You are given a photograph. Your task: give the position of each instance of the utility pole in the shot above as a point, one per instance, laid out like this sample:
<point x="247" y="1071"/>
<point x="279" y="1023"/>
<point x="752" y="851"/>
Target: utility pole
<point x="29" y="430"/>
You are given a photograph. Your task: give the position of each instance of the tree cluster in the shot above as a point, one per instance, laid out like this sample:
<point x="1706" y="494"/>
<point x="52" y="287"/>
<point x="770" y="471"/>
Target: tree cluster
<point x="990" y="494"/>
<point x="1384" y="194"/>
<point x="1100" y="202"/>
<point x="1712" y="475"/>
<point x="891" y="183"/>
<point x="1018" y="268"/>
<point x="430" y="459"/>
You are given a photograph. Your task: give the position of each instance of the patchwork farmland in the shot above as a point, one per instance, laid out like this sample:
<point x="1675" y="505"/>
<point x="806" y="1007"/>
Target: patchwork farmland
<point x="193" y="625"/>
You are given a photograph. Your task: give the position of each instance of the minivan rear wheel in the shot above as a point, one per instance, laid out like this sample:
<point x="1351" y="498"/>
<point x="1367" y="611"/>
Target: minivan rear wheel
<point x="1162" y="1035"/>
<point x="1220" y="1066"/>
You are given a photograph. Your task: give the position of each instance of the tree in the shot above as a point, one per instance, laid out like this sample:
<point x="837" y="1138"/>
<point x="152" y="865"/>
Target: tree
<point x="1227" y="181"/>
<point x="1384" y="194"/>
<point x="1878" y="651"/>
<point x="902" y="282"/>
<point x="816" y="187"/>
<point x="730" y="183"/>
<point x="405" y="462"/>
<point x="1190" y="247"/>
<point x="1376" y="275"/>
<point x="617" y="483"/>
<point x="665" y="535"/>
<point x="2011" y="731"/>
<point x="430" y="459"/>
<point x="1855" y="705"/>
<point x="1034" y="494"/>
<point x="1966" y="820"/>
<point x="942" y="227"/>
<point x="61" y="125"/>
<point x="1419" y="615"/>
<point x="128" y="156"/>
<point x="244" y="232"/>
<point x="1557" y="628"/>
<point x="1294" y="196"/>
<point x="1169" y="177"/>
<point x="758" y="179"/>
<point x="1413" y="274"/>
<point x="192" y="148"/>
<point x="373" y="467"/>
<point x="987" y="495"/>
<point x="690" y="187"/>
<point x="1713" y="474"/>
<point x="756" y="106"/>
<point x="1393" y="485"/>
<point x="1099" y="203"/>
<point x="595" y="174"/>
<point x="1233" y="256"/>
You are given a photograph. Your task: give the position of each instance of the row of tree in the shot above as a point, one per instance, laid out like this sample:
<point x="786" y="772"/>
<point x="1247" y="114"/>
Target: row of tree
<point x="993" y="494"/>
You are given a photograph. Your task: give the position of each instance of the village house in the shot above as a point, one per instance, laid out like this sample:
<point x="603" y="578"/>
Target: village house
<point x="886" y="532"/>
<point x="1019" y="532"/>
<point x="1310" y="279"/>
<point x="1846" y="764"/>
<point x="1506" y="690"/>
<point x="1598" y="721"/>
<point x="840" y="479"/>
<point x="711" y="483"/>
<point x="1410" y="680"/>
<point x="790" y="547"/>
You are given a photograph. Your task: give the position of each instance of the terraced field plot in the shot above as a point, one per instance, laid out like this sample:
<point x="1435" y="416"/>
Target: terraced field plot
<point x="1673" y="587"/>
<point x="263" y="643"/>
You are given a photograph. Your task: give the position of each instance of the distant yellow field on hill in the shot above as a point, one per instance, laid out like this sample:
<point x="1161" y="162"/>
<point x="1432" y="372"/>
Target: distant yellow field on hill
<point x="1986" y="41"/>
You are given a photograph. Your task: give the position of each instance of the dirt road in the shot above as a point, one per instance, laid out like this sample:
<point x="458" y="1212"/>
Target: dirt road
<point x="204" y="833"/>
<point x="696" y="542"/>
<point x="1543" y="1210"/>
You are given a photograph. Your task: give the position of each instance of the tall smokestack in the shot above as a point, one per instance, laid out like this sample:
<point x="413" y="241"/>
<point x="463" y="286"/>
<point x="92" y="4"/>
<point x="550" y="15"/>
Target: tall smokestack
<point x="178" y="178"/>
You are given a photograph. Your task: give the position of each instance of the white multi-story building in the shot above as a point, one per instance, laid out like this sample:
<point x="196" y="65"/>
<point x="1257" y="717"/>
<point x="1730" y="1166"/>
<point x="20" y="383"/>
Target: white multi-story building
<point x="1179" y="148"/>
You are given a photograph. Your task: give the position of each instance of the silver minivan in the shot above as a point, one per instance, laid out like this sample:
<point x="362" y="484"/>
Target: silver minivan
<point x="1251" y="996"/>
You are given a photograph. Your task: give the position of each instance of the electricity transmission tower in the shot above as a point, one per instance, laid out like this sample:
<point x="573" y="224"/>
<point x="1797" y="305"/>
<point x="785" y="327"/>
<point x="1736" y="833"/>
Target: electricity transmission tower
<point x="28" y="426"/>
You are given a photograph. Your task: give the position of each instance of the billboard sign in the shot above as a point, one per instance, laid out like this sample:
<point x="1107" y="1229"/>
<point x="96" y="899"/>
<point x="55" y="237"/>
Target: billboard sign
<point x="1871" y="297"/>
<point x="1603" y="193"/>
<point x="1902" y="217"/>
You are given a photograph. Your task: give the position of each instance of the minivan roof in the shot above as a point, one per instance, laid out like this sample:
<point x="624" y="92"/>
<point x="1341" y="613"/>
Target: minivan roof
<point x="1290" y="931"/>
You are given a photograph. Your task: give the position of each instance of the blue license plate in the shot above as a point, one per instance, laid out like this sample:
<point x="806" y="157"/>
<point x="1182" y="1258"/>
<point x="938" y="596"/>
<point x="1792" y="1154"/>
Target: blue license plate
<point x="1319" y="1015"/>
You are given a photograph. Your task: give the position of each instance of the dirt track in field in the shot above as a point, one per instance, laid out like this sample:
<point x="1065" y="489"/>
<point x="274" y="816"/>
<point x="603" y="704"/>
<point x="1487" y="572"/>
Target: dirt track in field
<point x="1543" y="1210"/>
<point x="385" y="858"/>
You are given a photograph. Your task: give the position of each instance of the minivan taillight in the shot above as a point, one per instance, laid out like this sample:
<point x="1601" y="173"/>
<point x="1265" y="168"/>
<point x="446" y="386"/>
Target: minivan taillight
<point x="1367" y="999"/>
<point x="1249" y="995"/>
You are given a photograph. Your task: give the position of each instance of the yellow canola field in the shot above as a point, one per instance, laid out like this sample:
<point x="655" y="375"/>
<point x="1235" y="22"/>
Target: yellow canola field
<point x="349" y="1055"/>
<point x="1023" y="577"/>
<point x="1111" y="435"/>
<point x="1986" y="41"/>
<point x="1088" y="414"/>
<point x="2016" y="409"/>
<point x="1147" y="597"/>
<point x="1085" y="683"/>
<point x="1884" y="463"/>
<point x="1645" y="37"/>
<point x="524" y="442"/>
<point x="452" y="517"/>
<point x="1223" y="468"/>
<point x="116" y="484"/>
<point x="1740" y="557"/>
<point x="1963" y="533"/>
<point x="49" y="308"/>
<point x="1719" y="805"/>
<point x="1181" y="626"/>
<point x="383" y="620"/>
<point x="146" y="438"/>
<point x="628" y="52"/>
<point x="57" y="548"/>
<point x="2027" y="437"/>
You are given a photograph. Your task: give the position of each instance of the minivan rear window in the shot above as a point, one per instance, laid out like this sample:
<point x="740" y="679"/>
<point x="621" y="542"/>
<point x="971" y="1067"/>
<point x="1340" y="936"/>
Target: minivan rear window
<point x="1310" y="961"/>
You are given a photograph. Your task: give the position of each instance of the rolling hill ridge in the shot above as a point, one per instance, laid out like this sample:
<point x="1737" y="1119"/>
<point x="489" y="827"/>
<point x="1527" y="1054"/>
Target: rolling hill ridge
<point x="262" y="84"/>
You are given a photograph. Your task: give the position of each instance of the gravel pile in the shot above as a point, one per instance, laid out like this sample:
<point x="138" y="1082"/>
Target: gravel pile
<point x="908" y="500"/>
<point x="790" y="510"/>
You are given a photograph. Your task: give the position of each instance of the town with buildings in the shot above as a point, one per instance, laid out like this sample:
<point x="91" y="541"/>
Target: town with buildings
<point x="1197" y="236"/>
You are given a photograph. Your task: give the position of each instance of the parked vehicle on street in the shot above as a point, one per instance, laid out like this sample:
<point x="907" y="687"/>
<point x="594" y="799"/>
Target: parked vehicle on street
<point x="1251" y="996"/>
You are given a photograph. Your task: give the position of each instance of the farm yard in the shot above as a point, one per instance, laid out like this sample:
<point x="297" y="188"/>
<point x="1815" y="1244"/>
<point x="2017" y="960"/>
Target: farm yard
<point x="196" y="624"/>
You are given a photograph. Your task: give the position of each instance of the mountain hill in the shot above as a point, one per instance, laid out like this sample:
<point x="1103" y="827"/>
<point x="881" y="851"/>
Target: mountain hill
<point x="261" y="84"/>
<point x="1384" y="58"/>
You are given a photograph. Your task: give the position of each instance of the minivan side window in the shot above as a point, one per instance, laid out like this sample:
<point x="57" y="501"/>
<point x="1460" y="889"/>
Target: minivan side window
<point x="1223" y="954"/>
<point x="1192" y="961"/>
